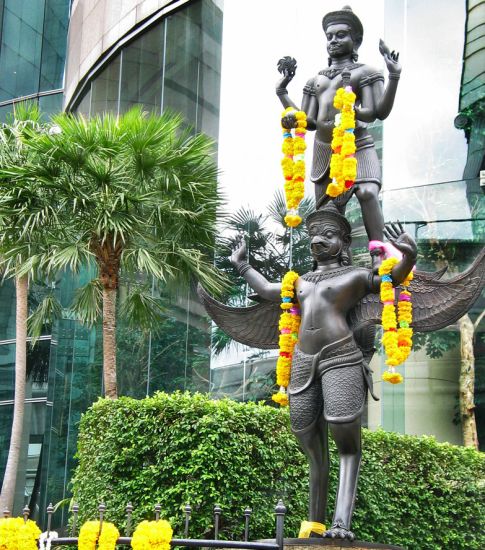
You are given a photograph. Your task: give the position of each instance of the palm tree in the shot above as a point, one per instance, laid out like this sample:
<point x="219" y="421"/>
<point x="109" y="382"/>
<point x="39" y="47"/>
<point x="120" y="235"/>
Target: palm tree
<point x="134" y="194"/>
<point x="26" y="213"/>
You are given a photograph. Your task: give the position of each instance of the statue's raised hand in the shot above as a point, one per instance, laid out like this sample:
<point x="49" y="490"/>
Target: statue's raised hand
<point x="396" y="235"/>
<point x="287" y="67"/>
<point x="239" y="252"/>
<point x="391" y="58"/>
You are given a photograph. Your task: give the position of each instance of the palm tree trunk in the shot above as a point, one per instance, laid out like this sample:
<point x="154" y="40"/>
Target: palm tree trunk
<point x="109" y="342"/>
<point x="10" y="477"/>
<point x="467" y="383"/>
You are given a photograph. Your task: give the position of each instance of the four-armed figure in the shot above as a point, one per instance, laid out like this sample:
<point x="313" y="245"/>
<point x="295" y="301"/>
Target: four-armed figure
<point x="344" y="33"/>
<point x="329" y="378"/>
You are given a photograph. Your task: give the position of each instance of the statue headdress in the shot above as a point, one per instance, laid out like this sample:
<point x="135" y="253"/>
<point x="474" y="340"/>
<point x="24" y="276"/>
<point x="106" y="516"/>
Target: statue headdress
<point x="330" y="213"/>
<point x="346" y="15"/>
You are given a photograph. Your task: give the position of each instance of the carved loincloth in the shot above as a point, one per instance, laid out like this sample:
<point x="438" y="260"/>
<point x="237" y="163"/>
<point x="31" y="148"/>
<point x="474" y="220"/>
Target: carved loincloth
<point x="334" y="381"/>
<point x="368" y="167"/>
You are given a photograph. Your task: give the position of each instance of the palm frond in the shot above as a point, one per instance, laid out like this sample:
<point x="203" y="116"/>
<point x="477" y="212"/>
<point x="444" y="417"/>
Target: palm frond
<point x="141" y="310"/>
<point x="87" y="303"/>
<point x="48" y="311"/>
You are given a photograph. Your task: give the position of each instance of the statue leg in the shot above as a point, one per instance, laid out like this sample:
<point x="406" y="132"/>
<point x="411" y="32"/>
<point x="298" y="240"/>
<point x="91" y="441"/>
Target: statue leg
<point x="368" y="195"/>
<point x="347" y="437"/>
<point x="310" y="428"/>
<point x="314" y="443"/>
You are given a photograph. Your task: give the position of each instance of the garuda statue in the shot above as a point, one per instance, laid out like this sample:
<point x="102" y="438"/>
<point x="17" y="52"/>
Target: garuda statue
<point x="338" y="304"/>
<point x="330" y="373"/>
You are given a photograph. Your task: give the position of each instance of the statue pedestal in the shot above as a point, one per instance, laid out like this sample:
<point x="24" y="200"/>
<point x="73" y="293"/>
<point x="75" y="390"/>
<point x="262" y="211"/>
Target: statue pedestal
<point x="317" y="544"/>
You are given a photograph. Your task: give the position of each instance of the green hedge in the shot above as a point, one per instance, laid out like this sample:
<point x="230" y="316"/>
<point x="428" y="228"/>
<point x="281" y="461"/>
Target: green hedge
<point x="180" y="448"/>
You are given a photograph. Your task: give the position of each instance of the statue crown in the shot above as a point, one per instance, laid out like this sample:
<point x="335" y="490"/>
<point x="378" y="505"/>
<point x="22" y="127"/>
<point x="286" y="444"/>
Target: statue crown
<point x="329" y="213"/>
<point x="345" y="15"/>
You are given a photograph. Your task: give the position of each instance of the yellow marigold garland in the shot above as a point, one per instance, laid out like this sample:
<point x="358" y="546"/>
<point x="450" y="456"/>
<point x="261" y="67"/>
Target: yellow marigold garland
<point x="289" y="325"/>
<point x="17" y="534"/>
<point x="152" y="535"/>
<point x="397" y="340"/>
<point x="89" y="535"/>
<point x="293" y="165"/>
<point x="343" y="164"/>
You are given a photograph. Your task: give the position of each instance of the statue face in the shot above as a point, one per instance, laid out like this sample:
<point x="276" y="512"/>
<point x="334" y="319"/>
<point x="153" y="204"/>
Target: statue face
<point x="326" y="240"/>
<point x="339" y="40"/>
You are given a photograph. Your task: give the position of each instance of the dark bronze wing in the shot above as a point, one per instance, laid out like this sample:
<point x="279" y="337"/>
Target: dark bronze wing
<point x="436" y="303"/>
<point x="255" y="326"/>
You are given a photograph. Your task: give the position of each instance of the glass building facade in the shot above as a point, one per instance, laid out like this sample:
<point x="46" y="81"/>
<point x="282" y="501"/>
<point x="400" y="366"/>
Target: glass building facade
<point x="32" y="53"/>
<point x="173" y="64"/>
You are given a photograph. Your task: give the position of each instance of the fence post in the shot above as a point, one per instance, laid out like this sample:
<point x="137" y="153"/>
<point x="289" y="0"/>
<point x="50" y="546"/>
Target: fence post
<point x="6" y="513"/>
<point x="102" y="510"/>
<point x="158" y="508"/>
<point x="129" y="511"/>
<point x="217" y="515"/>
<point x="247" y="515"/>
<point x="280" y="511"/>
<point x="188" y="512"/>
<point x="75" y="511"/>
<point x="26" y="513"/>
<point x="50" y="511"/>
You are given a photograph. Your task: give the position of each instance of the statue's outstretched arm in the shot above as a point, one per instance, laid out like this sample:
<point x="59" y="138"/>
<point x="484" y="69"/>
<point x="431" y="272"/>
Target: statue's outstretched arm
<point x="259" y="283"/>
<point x="405" y="244"/>
<point x="396" y="235"/>
<point x="287" y="67"/>
<point x="384" y="99"/>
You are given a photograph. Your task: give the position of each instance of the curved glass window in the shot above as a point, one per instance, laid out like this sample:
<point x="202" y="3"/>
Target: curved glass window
<point x="175" y="65"/>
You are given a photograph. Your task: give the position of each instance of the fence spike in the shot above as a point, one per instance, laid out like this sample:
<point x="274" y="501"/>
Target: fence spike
<point x="129" y="511"/>
<point x="188" y="513"/>
<point x="217" y="515"/>
<point x="75" y="512"/>
<point x="280" y="511"/>
<point x="101" y="510"/>
<point x="26" y="513"/>
<point x="158" y="508"/>
<point x="50" y="511"/>
<point x="247" y="515"/>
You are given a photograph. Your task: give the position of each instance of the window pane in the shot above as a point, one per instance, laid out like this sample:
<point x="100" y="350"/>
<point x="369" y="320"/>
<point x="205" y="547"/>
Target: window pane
<point x="104" y="92"/>
<point x="141" y="71"/>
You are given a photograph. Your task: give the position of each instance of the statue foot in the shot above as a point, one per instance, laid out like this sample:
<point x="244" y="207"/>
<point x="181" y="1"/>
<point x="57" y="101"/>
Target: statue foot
<point x="339" y="531"/>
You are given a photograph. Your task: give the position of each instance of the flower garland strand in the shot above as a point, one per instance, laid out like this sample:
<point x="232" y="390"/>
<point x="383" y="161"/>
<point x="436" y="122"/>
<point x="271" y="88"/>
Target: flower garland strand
<point x="152" y="535"/>
<point x="289" y="325"/>
<point x="17" y="534"/>
<point x="293" y="165"/>
<point x="343" y="164"/>
<point x="397" y="341"/>
<point x="89" y="535"/>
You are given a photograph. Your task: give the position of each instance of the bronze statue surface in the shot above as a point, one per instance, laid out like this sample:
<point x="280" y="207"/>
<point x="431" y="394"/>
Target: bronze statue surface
<point x="339" y="303"/>
<point x="344" y="34"/>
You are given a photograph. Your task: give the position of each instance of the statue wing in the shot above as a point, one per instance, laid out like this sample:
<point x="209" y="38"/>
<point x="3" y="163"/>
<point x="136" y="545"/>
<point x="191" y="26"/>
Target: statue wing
<point x="255" y="326"/>
<point x="436" y="303"/>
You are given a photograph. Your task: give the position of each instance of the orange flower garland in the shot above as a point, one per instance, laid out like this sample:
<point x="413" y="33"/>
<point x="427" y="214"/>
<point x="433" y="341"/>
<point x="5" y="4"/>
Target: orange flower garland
<point x="397" y="342"/>
<point x="293" y="165"/>
<point x="289" y="325"/>
<point x="343" y="164"/>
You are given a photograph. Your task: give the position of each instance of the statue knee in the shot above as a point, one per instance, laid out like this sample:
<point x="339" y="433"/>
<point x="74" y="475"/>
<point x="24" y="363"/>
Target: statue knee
<point x="367" y="192"/>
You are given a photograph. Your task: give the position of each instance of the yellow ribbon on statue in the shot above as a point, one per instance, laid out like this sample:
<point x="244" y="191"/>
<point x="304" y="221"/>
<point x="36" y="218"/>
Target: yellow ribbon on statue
<point x="309" y="527"/>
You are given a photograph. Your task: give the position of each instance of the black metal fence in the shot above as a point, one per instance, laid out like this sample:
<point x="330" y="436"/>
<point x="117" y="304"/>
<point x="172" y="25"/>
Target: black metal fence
<point x="246" y="544"/>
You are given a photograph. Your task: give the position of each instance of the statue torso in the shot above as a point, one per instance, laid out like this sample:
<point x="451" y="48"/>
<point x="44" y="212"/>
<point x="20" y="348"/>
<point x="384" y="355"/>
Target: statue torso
<point x="326" y="83"/>
<point x="325" y="299"/>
